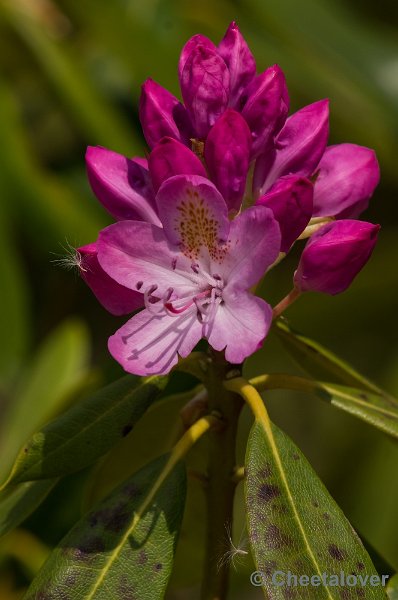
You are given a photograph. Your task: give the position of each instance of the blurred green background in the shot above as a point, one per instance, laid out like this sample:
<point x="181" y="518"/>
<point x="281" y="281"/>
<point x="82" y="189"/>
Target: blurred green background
<point x="70" y="75"/>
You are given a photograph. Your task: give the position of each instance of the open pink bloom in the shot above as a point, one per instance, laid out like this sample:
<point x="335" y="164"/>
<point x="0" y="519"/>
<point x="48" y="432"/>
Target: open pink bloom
<point x="194" y="272"/>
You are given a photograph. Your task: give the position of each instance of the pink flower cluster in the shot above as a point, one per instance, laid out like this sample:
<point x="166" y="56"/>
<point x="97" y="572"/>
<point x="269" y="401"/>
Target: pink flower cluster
<point x="184" y="250"/>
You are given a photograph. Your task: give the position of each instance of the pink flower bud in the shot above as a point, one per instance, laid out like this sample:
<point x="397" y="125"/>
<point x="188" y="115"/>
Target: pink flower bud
<point x="190" y="46"/>
<point x="290" y="199"/>
<point x="334" y="255"/>
<point x="299" y="146"/>
<point x="162" y="114"/>
<point x="265" y="98"/>
<point x="239" y="60"/>
<point x="346" y="178"/>
<point x="205" y="88"/>
<point x="169" y="158"/>
<point x="227" y="154"/>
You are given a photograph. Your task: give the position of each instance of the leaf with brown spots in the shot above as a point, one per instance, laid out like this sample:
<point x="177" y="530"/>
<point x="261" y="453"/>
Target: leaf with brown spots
<point x="86" y="431"/>
<point x="124" y="547"/>
<point x="286" y="507"/>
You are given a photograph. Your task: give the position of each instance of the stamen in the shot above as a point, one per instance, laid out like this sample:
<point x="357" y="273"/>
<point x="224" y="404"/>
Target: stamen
<point x="152" y="303"/>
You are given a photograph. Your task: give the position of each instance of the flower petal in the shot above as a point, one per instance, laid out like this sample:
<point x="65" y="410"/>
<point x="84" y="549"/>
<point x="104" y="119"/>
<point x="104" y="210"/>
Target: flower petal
<point x="240" y="326"/>
<point x="150" y="344"/>
<point x="169" y="158"/>
<point x="116" y="298"/>
<point x="253" y="245"/>
<point x="265" y="101"/>
<point x="194" y="214"/>
<point x="227" y="154"/>
<point x="192" y="43"/>
<point x="205" y="88"/>
<point x="299" y="147"/>
<point x="122" y="185"/>
<point x="347" y="177"/>
<point x="138" y="256"/>
<point x="239" y="60"/>
<point x="291" y="201"/>
<point x="162" y="114"/>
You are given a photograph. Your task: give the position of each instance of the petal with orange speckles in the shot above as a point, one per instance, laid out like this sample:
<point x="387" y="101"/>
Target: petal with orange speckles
<point x="194" y="215"/>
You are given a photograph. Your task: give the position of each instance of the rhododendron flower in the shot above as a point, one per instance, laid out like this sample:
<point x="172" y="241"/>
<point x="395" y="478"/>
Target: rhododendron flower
<point x="194" y="272"/>
<point x="175" y="251"/>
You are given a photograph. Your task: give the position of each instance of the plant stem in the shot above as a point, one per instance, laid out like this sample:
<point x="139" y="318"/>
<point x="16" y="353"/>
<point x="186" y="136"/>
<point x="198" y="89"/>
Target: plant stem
<point x="221" y="483"/>
<point x="286" y="302"/>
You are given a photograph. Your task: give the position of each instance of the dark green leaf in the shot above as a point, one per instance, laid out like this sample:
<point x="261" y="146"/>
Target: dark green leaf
<point x="294" y="524"/>
<point x="17" y="503"/>
<point x="87" y="430"/>
<point x="122" y="549"/>
<point x="318" y="361"/>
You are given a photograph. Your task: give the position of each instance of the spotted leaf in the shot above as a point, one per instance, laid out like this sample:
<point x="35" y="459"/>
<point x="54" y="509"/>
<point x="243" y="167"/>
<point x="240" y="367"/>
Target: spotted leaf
<point x="294" y="524"/>
<point x="124" y="547"/>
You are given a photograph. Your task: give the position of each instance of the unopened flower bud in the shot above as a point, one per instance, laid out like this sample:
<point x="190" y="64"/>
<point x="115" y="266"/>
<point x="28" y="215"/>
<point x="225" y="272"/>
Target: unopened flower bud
<point x="169" y="158"/>
<point x="162" y="114"/>
<point x="334" y="255"/>
<point x="227" y="154"/>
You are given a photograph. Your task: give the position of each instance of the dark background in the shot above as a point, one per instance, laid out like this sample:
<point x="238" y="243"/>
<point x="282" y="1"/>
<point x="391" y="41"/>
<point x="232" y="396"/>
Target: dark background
<point x="70" y="76"/>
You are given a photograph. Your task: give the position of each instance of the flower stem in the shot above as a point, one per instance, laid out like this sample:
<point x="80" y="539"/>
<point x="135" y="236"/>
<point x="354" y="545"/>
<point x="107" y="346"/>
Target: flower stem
<point x="220" y="488"/>
<point x="286" y="302"/>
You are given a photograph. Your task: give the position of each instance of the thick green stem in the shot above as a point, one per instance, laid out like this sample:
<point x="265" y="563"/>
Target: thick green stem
<point x="221" y="483"/>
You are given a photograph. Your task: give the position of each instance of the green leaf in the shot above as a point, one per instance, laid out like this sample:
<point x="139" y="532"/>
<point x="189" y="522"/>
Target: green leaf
<point x="17" y="503"/>
<point x="392" y="588"/>
<point x="318" y="361"/>
<point x="86" y="431"/>
<point x="124" y="548"/>
<point x="378" y="410"/>
<point x="294" y="524"/>
<point x="58" y="370"/>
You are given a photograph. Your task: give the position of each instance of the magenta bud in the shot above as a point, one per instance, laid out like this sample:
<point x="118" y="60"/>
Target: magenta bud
<point x="162" y="114"/>
<point x="227" y="154"/>
<point x="299" y="147"/>
<point x="239" y="60"/>
<point x="169" y="158"/>
<point x="334" y="255"/>
<point x="192" y="43"/>
<point x="291" y="201"/>
<point x="205" y="88"/>
<point x="116" y="298"/>
<point x="346" y="178"/>
<point x="264" y="99"/>
<point x="121" y="184"/>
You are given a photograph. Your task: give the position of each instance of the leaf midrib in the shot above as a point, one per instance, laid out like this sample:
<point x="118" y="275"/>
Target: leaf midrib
<point x="266" y="426"/>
